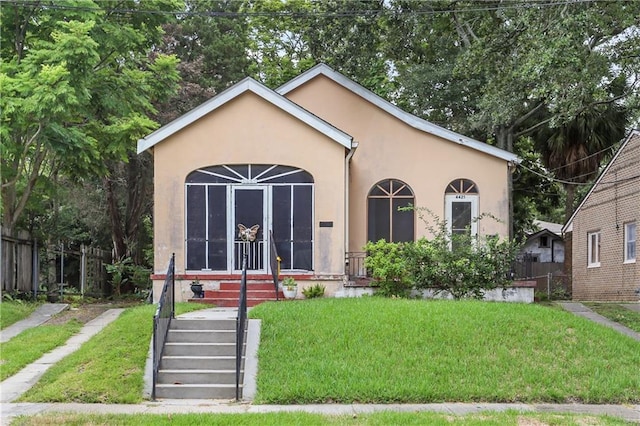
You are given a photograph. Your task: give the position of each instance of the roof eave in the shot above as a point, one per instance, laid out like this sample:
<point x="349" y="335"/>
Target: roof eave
<point x="246" y="85"/>
<point x="410" y="119"/>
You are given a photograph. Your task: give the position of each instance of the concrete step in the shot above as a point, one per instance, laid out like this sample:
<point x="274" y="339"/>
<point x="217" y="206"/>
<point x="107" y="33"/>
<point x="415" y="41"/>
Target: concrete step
<point x="233" y="302"/>
<point x="251" y="286"/>
<point x="201" y="336"/>
<point x="221" y="362"/>
<point x="173" y="391"/>
<point x="177" y="362"/>
<point x="202" y="324"/>
<point x="194" y="377"/>
<point x="235" y="294"/>
<point x="200" y="349"/>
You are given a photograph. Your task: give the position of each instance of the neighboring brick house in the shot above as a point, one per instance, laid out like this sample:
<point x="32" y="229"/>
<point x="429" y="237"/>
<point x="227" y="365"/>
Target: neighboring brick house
<point x="604" y="231"/>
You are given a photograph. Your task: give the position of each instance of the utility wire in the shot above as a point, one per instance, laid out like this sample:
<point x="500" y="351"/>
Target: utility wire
<point x="303" y="14"/>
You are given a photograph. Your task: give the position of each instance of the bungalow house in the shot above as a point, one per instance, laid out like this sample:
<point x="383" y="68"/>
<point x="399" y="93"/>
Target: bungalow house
<point x="604" y="231"/>
<point x="321" y="164"/>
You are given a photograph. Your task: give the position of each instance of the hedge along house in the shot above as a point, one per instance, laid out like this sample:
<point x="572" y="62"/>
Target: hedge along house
<point x="322" y="164"/>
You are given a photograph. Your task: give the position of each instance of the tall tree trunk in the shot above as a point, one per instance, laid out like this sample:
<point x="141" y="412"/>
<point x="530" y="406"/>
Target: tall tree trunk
<point x="115" y="219"/>
<point x="504" y="137"/>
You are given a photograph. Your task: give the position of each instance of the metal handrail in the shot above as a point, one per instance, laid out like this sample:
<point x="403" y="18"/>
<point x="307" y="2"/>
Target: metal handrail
<point x="241" y="322"/>
<point x="162" y="320"/>
<point x="274" y="262"/>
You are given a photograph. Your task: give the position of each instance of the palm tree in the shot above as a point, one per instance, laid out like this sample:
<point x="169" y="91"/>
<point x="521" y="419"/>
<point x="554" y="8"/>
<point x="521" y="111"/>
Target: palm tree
<point x="574" y="150"/>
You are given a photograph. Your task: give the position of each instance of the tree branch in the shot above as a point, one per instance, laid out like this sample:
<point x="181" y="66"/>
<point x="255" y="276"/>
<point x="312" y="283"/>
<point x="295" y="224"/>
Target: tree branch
<point x="31" y="182"/>
<point x="24" y="155"/>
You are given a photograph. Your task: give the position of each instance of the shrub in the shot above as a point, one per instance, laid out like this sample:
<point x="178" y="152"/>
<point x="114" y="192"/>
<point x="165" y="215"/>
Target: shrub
<point x="388" y="266"/>
<point x="461" y="264"/>
<point x="314" y="291"/>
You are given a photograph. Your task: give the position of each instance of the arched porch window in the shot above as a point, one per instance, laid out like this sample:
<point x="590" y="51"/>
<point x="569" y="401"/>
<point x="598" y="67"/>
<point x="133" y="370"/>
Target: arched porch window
<point x="278" y="198"/>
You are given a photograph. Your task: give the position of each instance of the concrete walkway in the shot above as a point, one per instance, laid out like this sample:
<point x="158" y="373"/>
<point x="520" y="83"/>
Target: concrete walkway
<point x="628" y="413"/>
<point x="39" y="316"/>
<point x="581" y="310"/>
<point x="631" y="306"/>
<point x="23" y="380"/>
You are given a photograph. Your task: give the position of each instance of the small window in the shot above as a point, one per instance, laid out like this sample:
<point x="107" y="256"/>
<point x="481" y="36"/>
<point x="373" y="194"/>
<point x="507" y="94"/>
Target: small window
<point x="593" y="249"/>
<point x="630" y="242"/>
<point x="544" y="241"/>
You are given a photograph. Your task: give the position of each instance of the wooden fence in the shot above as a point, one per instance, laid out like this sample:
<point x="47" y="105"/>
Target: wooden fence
<point x="19" y="263"/>
<point x="28" y="267"/>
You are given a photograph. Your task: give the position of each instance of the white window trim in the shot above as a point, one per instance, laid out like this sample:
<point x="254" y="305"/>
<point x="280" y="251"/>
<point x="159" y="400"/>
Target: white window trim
<point x="590" y="247"/>
<point x="450" y="198"/>
<point x="627" y="234"/>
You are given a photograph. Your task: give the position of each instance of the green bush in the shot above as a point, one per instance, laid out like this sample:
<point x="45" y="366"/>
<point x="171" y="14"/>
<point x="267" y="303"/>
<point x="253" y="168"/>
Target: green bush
<point x="314" y="291"/>
<point x="461" y="264"/>
<point x="388" y="265"/>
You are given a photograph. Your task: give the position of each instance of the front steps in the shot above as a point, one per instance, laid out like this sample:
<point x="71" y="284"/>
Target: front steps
<point x="199" y="360"/>
<point x="258" y="291"/>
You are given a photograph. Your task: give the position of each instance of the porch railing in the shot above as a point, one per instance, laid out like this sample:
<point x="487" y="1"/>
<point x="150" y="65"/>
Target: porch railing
<point x="241" y="322"/>
<point x="274" y="262"/>
<point x="355" y="265"/>
<point x="162" y="320"/>
<point x="254" y="255"/>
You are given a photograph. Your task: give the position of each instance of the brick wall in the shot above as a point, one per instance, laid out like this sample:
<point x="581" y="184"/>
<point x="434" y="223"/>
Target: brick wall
<point x="614" y="201"/>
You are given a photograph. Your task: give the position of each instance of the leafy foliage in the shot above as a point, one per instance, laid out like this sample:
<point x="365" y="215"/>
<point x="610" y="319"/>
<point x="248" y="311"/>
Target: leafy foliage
<point x="388" y="265"/>
<point x="315" y="291"/>
<point x="461" y="265"/>
<point x="77" y="91"/>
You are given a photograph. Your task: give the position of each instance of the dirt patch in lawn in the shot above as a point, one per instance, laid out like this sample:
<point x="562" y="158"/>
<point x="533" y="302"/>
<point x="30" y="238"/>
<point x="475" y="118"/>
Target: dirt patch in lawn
<point x="84" y="313"/>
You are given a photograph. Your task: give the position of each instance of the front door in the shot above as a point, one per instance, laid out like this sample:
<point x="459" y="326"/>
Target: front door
<point x="249" y="206"/>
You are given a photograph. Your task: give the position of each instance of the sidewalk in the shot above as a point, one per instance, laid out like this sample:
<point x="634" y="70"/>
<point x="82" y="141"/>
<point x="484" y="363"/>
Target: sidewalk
<point x="16" y="385"/>
<point x="628" y="413"/>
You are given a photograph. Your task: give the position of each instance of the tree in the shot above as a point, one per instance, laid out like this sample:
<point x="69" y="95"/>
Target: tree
<point x="77" y="90"/>
<point x="213" y="53"/>
<point x="291" y="36"/>
<point x="488" y="67"/>
<point x="574" y="150"/>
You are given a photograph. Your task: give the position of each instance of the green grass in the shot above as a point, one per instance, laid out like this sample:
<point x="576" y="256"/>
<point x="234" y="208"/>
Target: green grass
<point x="31" y="344"/>
<point x="617" y="313"/>
<point x="109" y="368"/>
<point x="14" y="311"/>
<point x="298" y="418"/>
<point x="375" y="350"/>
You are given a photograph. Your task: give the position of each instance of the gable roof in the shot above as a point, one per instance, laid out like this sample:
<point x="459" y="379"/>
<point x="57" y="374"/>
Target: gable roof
<point x="246" y="85"/>
<point x="568" y="227"/>
<point x="542" y="225"/>
<point x="410" y="119"/>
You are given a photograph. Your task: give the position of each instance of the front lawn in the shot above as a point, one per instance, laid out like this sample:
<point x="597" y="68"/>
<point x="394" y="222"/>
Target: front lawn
<point x="31" y="344"/>
<point x="375" y="350"/>
<point x="108" y="368"/>
<point x="14" y="311"/>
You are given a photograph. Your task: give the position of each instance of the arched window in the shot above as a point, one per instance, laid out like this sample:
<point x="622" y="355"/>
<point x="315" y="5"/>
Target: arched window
<point x="461" y="207"/>
<point x="385" y="221"/>
<point x="275" y="197"/>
